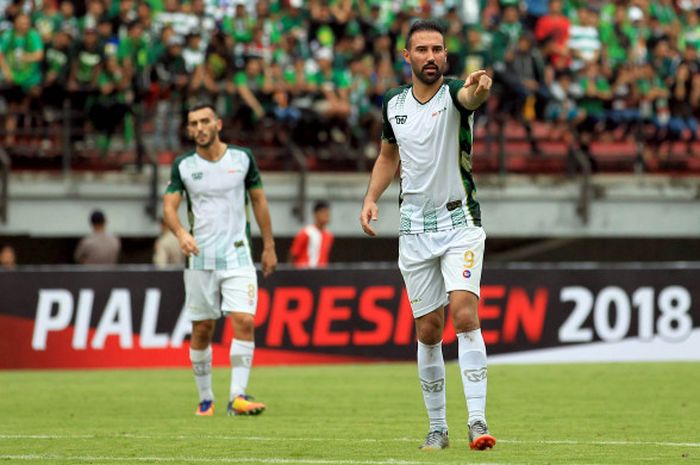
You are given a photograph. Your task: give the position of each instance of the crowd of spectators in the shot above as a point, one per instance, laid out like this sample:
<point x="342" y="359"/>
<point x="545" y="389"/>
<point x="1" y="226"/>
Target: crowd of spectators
<point x="315" y="71"/>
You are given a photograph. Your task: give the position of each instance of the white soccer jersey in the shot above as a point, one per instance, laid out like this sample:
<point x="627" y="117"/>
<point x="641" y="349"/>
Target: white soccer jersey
<point x="435" y="146"/>
<point x="217" y="206"/>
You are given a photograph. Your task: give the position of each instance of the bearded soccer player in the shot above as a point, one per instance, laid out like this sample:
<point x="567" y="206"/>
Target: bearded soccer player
<point x="219" y="181"/>
<point x="428" y="130"/>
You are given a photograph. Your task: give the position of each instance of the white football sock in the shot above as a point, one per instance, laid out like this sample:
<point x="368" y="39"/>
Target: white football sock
<point x="431" y="371"/>
<point x="201" y="366"/>
<point x="241" y="361"/>
<point x="472" y="365"/>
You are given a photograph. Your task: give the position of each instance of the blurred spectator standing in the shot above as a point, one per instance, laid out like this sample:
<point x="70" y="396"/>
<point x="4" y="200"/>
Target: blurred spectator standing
<point x="21" y="53"/>
<point x="8" y="258"/>
<point x="99" y="247"/>
<point x="171" y="75"/>
<point x="166" y="249"/>
<point x="312" y="245"/>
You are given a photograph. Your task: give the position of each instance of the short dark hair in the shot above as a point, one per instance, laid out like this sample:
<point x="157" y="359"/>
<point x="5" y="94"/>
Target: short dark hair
<point x="201" y="106"/>
<point x="321" y="205"/>
<point x="424" y="25"/>
<point x="97" y="217"/>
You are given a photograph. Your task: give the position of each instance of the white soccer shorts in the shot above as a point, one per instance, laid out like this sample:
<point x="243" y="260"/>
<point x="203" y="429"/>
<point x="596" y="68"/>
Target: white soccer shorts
<point x="434" y="264"/>
<point x="211" y="294"/>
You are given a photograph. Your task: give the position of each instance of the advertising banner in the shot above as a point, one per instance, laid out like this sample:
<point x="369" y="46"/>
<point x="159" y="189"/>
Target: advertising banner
<point x="78" y="318"/>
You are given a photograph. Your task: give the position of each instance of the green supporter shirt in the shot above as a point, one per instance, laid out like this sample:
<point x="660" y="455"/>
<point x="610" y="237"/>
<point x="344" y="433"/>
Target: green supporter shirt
<point x="44" y="24"/>
<point x="664" y="13"/>
<point x="138" y="50"/>
<point x="87" y="60"/>
<point x="644" y="86"/>
<point x="594" y="106"/>
<point x="338" y="79"/>
<point x="13" y="47"/>
<point x="115" y="96"/>
<point x="617" y="53"/>
<point x="240" y="29"/>
<point x="57" y="61"/>
<point x="690" y="36"/>
<point x="242" y="79"/>
<point x="505" y="38"/>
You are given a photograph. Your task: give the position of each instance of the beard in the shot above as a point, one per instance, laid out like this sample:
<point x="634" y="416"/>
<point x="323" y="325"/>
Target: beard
<point x="207" y="141"/>
<point x="425" y="78"/>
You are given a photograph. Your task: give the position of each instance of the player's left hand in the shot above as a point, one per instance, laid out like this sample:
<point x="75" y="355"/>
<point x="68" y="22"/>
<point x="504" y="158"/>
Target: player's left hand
<point x="481" y="80"/>
<point x="269" y="261"/>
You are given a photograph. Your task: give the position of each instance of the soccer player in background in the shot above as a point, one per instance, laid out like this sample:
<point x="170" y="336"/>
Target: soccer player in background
<point x="428" y="128"/>
<point x="219" y="181"/>
<point x="311" y="247"/>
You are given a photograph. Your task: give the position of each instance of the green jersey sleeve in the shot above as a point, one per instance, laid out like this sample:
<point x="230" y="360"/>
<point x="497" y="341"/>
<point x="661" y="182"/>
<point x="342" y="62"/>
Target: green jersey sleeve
<point x="455" y="85"/>
<point x="387" y="130"/>
<point x="175" y="185"/>
<point x="252" y="177"/>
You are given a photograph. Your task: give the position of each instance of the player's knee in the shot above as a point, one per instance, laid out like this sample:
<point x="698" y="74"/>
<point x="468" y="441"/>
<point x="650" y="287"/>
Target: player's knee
<point x="465" y="319"/>
<point x="429" y="327"/>
<point x="243" y="326"/>
<point x="202" y="332"/>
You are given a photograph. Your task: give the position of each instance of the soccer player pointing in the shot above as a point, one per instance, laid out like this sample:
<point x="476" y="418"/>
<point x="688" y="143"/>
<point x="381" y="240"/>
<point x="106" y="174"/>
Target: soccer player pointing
<point x="219" y="181"/>
<point x="428" y="128"/>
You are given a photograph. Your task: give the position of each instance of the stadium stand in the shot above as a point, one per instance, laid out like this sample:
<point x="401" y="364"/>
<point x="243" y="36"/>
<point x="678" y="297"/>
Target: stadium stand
<point x="100" y="84"/>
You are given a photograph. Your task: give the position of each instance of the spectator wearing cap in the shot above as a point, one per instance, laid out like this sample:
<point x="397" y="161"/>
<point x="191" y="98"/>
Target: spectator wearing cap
<point x="333" y="86"/>
<point x="311" y="247"/>
<point x="21" y="53"/>
<point x="99" y="247"/>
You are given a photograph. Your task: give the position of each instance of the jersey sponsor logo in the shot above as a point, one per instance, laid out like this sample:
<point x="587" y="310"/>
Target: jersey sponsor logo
<point x="401" y="119"/>
<point x="467" y="274"/>
<point x="197" y="176"/>
<point x="436" y="113"/>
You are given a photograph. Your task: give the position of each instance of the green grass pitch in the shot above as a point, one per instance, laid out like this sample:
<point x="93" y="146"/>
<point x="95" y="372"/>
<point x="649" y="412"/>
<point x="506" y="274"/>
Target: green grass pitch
<point x="358" y="414"/>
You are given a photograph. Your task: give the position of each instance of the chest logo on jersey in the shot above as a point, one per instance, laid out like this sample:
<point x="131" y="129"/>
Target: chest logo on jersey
<point x="401" y="119"/>
<point x="197" y="176"/>
<point x="435" y="113"/>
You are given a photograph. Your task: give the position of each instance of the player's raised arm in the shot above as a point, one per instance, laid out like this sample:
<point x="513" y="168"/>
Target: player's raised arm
<point x="262" y="217"/>
<point x="382" y="174"/>
<point x="475" y="91"/>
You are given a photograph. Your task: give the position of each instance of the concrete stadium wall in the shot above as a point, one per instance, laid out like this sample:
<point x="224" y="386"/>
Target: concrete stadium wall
<point x="513" y="206"/>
